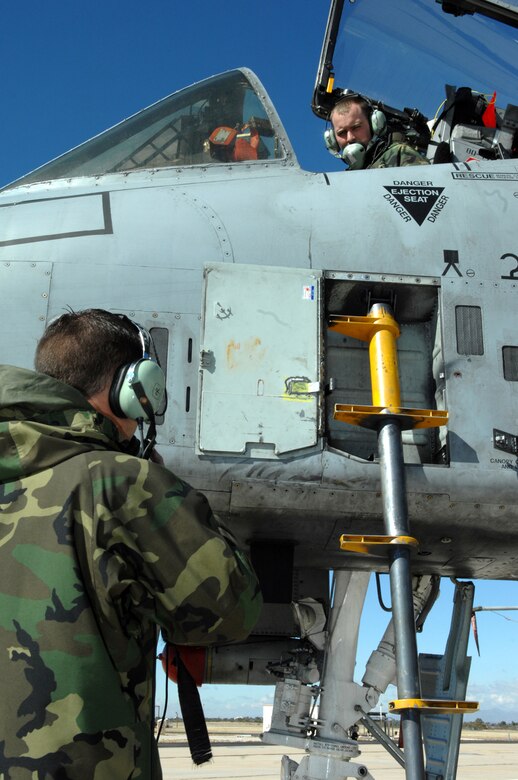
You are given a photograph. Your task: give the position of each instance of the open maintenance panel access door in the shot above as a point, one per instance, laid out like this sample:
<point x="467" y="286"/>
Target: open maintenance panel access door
<point x="260" y="380"/>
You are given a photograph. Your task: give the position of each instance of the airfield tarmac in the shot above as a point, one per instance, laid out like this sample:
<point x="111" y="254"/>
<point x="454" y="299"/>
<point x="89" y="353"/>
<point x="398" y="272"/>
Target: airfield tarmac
<point x="251" y="760"/>
<point x="478" y="761"/>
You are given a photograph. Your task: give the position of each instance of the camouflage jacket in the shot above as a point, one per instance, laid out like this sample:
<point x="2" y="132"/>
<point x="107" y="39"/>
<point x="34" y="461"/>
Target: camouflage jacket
<point x="393" y="152"/>
<point x="99" y="549"/>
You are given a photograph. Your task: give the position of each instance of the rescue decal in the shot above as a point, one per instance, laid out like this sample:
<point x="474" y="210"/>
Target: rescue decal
<point x="418" y="200"/>
<point x="484" y="176"/>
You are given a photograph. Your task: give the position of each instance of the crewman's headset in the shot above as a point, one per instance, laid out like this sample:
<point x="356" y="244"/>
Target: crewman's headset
<point x="354" y="154"/>
<point x="138" y="389"/>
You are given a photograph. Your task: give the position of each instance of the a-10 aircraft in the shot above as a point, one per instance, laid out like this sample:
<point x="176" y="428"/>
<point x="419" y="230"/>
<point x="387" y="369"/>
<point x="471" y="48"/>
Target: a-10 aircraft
<point x="341" y="352"/>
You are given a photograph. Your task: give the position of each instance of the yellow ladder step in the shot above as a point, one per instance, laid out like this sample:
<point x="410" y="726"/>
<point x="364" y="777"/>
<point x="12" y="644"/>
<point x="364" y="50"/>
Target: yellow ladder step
<point x="439" y="706"/>
<point x="371" y="416"/>
<point x="367" y="544"/>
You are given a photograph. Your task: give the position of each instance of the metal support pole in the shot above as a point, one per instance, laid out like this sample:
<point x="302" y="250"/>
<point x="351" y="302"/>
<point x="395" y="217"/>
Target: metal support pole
<point x="395" y="515"/>
<point x="338" y="672"/>
<point x="383" y="739"/>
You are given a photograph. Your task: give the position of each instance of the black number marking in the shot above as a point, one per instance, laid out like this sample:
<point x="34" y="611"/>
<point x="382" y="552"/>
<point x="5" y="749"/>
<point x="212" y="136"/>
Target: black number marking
<point x="513" y="274"/>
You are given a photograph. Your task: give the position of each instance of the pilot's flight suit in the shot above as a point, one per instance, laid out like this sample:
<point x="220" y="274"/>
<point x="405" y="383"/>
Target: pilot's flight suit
<point x="392" y="151"/>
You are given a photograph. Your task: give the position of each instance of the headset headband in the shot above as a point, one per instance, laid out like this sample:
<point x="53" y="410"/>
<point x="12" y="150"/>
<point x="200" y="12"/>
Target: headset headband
<point x="144" y="335"/>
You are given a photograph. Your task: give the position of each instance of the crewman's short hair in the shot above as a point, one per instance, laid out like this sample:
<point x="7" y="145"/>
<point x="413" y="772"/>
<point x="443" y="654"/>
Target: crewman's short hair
<point x="84" y="349"/>
<point x="344" y="105"/>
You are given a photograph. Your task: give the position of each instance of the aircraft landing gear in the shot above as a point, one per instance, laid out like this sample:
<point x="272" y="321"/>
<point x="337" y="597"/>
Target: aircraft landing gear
<point x="325" y="734"/>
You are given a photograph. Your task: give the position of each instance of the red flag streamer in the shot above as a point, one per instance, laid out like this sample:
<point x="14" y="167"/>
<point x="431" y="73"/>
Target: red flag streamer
<point x="489" y="115"/>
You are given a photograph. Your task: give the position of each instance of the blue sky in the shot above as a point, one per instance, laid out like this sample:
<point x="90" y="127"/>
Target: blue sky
<point x="72" y="69"/>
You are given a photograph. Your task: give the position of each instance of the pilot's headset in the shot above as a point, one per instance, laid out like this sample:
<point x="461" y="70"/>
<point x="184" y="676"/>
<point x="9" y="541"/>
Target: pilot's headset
<point x="354" y="154"/>
<point x="138" y="389"/>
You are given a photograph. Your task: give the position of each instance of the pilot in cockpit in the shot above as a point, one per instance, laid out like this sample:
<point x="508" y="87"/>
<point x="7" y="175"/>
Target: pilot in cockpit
<point x="359" y="136"/>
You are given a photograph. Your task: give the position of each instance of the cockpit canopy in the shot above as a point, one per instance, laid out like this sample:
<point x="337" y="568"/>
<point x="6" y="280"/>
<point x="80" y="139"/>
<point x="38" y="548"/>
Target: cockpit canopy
<point x="224" y="119"/>
<point x="403" y="53"/>
<point x="460" y="74"/>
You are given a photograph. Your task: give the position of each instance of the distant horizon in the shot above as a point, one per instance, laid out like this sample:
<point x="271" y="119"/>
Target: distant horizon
<point x="469" y="720"/>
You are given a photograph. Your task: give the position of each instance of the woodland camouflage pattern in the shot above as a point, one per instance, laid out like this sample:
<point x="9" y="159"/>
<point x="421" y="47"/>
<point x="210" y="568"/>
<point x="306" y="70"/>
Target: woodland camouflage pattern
<point x="394" y="153"/>
<point x="98" y="548"/>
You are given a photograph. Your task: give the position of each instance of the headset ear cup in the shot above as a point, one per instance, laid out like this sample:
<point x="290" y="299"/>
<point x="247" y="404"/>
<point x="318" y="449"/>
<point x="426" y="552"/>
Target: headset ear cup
<point x="149" y="379"/>
<point x="115" y="390"/>
<point x="331" y="142"/>
<point x="378" y="122"/>
<point x="140" y="391"/>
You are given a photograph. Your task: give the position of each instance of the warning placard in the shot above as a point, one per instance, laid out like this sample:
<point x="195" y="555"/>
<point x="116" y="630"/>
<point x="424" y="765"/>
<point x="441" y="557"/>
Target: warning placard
<point x="418" y="201"/>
